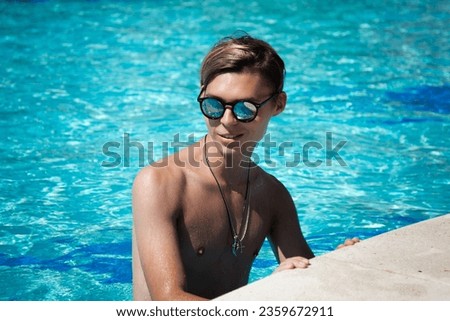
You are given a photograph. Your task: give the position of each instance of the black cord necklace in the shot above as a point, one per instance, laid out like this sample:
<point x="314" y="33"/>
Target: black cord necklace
<point x="237" y="246"/>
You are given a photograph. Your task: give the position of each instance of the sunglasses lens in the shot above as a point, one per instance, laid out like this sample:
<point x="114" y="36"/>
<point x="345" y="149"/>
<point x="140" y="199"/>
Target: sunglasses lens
<point x="245" y="110"/>
<point x="212" y="108"/>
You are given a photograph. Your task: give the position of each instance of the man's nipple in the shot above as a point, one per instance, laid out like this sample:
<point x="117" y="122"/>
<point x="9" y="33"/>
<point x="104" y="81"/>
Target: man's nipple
<point x="200" y="251"/>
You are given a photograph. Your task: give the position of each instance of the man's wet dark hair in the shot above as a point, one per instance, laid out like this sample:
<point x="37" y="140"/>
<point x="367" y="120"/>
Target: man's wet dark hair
<point x="240" y="54"/>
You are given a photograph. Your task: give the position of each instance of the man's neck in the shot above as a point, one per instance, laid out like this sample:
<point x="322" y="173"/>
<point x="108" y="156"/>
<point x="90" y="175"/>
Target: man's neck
<point x="230" y="166"/>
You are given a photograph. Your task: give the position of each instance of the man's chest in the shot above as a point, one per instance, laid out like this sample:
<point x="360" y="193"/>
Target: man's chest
<point x="206" y="230"/>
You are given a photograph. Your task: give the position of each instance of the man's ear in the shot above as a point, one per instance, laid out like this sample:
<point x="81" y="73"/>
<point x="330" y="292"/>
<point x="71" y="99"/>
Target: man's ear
<point x="280" y="103"/>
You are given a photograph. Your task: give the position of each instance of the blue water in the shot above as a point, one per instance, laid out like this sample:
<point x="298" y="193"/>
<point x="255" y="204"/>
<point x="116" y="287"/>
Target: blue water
<point x="75" y="76"/>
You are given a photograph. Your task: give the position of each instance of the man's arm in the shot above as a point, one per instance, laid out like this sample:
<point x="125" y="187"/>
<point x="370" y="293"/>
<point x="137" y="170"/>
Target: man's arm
<point x="286" y="238"/>
<point x="155" y="207"/>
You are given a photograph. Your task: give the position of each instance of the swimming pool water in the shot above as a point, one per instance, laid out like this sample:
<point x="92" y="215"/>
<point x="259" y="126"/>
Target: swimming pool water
<point x="75" y="76"/>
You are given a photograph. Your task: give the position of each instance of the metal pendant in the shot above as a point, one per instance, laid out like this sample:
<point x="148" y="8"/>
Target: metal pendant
<point x="237" y="246"/>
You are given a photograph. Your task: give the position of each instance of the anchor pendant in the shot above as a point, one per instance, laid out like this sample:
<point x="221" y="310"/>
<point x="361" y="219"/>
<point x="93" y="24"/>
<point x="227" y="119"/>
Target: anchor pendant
<point x="237" y="246"/>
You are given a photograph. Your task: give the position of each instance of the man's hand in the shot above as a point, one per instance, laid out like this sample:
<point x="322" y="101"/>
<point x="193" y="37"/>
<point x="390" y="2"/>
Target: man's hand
<point x="296" y="262"/>
<point x="349" y="242"/>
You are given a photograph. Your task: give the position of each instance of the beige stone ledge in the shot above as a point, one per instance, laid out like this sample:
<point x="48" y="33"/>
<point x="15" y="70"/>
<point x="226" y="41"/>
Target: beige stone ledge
<point x="410" y="263"/>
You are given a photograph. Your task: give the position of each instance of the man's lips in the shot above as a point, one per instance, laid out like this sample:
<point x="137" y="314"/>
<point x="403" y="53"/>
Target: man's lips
<point x="230" y="136"/>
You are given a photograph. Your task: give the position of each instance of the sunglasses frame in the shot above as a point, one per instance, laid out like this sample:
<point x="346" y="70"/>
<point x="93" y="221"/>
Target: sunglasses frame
<point x="232" y="105"/>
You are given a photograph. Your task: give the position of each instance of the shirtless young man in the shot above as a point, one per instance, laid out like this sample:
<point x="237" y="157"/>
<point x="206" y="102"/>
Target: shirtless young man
<point x="199" y="227"/>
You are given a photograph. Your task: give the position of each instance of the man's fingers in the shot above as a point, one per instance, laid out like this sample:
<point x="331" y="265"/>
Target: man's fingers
<point x="293" y="263"/>
<point x="300" y="264"/>
<point x="297" y="262"/>
<point x="348" y="242"/>
<point x="351" y="241"/>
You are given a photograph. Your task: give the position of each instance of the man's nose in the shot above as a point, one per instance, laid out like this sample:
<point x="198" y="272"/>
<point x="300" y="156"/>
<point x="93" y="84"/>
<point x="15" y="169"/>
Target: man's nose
<point x="228" y="116"/>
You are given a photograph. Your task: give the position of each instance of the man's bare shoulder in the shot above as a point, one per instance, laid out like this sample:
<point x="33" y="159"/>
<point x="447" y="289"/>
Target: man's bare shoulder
<point x="270" y="183"/>
<point x="158" y="186"/>
<point x="160" y="171"/>
<point x="279" y="202"/>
